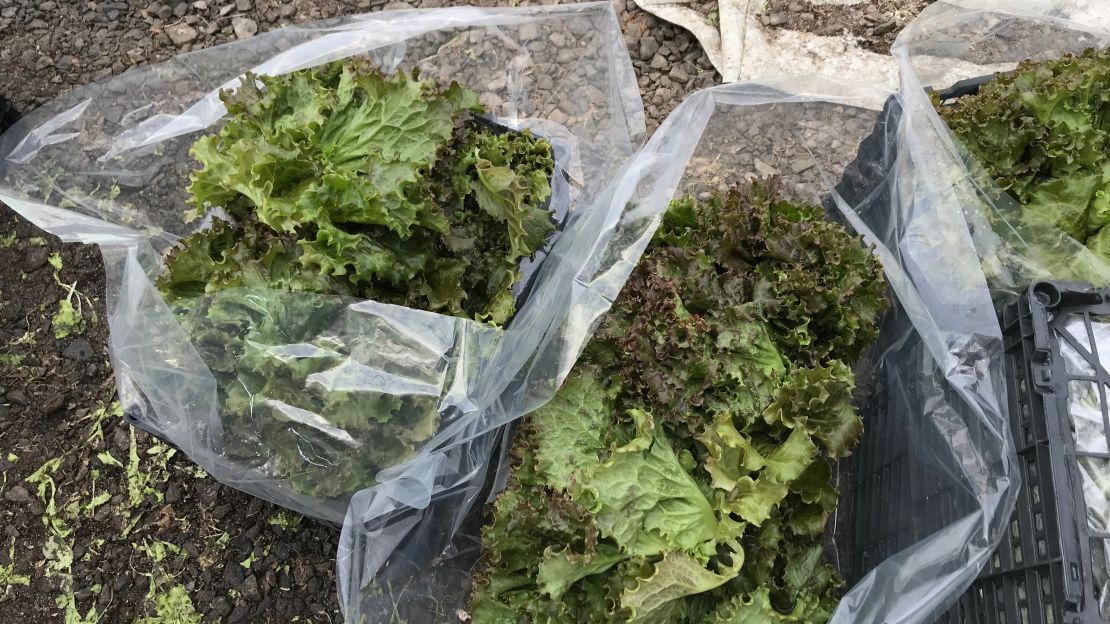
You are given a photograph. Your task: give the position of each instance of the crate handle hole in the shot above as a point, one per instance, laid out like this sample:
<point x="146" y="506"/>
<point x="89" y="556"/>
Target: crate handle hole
<point x="1047" y="294"/>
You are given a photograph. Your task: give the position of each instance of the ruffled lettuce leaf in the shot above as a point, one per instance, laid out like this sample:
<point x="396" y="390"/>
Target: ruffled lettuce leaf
<point x="1041" y="133"/>
<point x="683" y="472"/>
<point x="328" y="185"/>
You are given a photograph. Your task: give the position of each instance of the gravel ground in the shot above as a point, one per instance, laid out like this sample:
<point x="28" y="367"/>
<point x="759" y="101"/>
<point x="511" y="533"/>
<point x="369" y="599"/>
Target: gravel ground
<point x="103" y="523"/>
<point x="874" y="23"/>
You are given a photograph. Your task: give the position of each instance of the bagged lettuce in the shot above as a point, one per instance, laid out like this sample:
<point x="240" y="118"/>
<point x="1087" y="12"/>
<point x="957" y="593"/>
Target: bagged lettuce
<point x="684" y="471"/>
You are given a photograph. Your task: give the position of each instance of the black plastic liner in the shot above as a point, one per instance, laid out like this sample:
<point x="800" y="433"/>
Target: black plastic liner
<point x="895" y="495"/>
<point x="8" y="114"/>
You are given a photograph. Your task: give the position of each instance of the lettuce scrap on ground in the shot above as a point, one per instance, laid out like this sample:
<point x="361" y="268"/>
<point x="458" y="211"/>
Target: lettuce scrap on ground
<point x="1041" y="132"/>
<point x="329" y="185"/>
<point x="682" y="474"/>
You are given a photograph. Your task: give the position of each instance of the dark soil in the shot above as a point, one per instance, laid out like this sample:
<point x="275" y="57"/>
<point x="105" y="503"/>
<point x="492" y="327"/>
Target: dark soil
<point x="58" y="403"/>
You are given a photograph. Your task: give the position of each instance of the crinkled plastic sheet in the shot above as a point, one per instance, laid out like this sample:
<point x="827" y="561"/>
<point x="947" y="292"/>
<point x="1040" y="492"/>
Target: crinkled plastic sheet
<point x="936" y="367"/>
<point x="108" y="164"/>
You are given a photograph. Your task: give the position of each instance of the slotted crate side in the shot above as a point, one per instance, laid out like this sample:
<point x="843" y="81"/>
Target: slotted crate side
<point x="900" y="494"/>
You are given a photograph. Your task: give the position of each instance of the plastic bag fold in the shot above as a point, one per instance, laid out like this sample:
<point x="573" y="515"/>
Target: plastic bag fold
<point x="933" y="177"/>
<point x="952" y="42"/>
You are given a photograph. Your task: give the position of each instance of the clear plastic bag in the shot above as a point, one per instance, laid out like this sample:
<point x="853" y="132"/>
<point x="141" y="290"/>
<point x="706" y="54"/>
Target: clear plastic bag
<point x="108" y="164"/>
<point x="950" y="42"/>
<point x="936" y="371"/>
<point x="941" y="204"/>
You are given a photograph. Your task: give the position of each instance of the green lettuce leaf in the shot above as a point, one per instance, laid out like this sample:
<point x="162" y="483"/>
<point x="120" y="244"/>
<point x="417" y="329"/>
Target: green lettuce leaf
<point x="572" y="429"/>
<point x="683" y="474"/>
<point x="559" y="570"/>
<point x="677" y="575"/>
<point x="647" y="502"/>
<point x="328" y="185"/>
<point x="1040" y="133"/>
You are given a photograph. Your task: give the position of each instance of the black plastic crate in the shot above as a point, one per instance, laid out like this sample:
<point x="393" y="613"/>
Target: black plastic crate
<point x="1051" y="566"/>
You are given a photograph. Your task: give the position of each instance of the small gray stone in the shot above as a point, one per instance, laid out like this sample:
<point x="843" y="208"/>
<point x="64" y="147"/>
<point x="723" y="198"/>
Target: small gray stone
<point x="490" y="101"/>
<point x="558" y="39"/>
<point x="887" y="26"/>
<point x="243" y="5"/>
<point x="79" y="349"/>
<point x="200" y="5"/>
<point x="804" y="164"/>
<point x="233" y="573"/>
<point x="250" y="589"/>
<point x="658" y="62"/>
<point x="221" y="605"/>
<point x="238" y="615"/>
<point x="679" y="75"/>
<point x="648" y="47"/>
<point x="180" y="34"/>
<point x="764" y="169"/>
<point x="529" y="31"/>
<point x="17" y="494"/>
<point x="776" y="19"/>
<point x="180" y="10"/>
<point x="244" y="28"/>
<point x="36" y="257"/>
